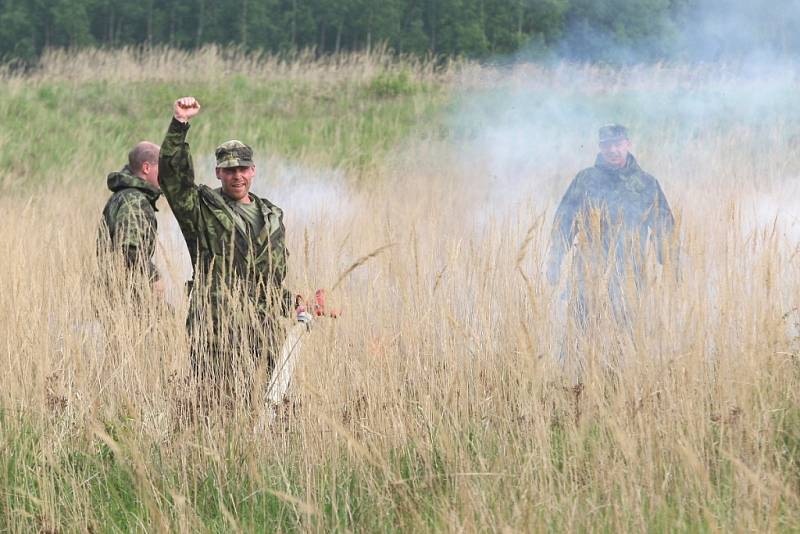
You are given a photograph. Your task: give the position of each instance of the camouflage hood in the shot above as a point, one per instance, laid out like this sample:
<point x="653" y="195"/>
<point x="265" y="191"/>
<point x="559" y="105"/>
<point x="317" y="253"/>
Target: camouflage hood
<point x="123" y="179"/>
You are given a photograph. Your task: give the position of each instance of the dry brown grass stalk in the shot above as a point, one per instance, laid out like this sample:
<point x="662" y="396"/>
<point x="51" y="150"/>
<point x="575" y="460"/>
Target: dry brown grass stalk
<point x="212" y="62"/>
<point x="358" y="263"/>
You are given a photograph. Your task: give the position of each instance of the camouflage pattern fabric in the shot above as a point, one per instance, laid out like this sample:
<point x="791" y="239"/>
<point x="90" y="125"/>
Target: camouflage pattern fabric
<point x="234" y="153"/>
<point x="620" y="209"/>
<point x="611" y="133"/>
<point x="609" y="216"/>
<point x="129" y="221"/>
<point x="237" y="290"/>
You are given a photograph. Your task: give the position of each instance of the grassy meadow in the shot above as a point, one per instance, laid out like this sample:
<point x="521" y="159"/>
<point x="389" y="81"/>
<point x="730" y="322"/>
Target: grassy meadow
<point x="436" y="402"/>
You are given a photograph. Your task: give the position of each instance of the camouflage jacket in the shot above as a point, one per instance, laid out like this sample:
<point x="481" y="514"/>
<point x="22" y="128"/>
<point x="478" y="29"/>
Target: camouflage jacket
<point x="620" y="208"/>
<point x="129" y="221"/>
<point x="224" y="259"/>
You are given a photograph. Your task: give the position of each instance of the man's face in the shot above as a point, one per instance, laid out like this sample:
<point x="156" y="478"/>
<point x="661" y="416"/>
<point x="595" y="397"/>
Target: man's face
<point x="236" y="181"/>
<point x="615" y="152"/>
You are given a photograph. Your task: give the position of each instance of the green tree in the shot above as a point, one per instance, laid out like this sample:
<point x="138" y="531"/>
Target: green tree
<point x="618" y="30"/>
<point x="16" y="32"/>
<point x="71" y="23"/>
<point x="457" y="27"/>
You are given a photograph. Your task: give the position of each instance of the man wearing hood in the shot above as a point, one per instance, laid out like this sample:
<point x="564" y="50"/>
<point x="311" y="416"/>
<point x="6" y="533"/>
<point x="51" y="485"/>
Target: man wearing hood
<point x="611" y="213"/>
<point x="129" y="222"/>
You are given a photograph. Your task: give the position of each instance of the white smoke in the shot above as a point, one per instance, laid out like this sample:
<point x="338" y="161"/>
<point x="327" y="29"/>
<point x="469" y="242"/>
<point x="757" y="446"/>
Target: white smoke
<point x="307" y="196"/>
<point x="526" y="133"/>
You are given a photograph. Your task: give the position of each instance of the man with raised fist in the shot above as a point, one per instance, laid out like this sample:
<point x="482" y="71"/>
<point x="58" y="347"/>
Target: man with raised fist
<point x="239" y="259"/>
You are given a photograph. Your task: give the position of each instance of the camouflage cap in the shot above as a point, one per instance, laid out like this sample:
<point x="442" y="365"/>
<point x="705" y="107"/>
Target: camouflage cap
<point x="612" y="132"/>
<point x="234" y="153"/>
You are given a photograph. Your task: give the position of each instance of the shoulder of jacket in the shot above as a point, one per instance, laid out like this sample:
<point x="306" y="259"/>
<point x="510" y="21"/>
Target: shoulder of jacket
<point x="205" y="189"/>
<point x="131" y="194"/>
<point x="210" y="195"/>
<point x="648" y="179"/>
<point x="127" y="203"/>
<point x="270" y="206"/>
<point x="586" y="175"/>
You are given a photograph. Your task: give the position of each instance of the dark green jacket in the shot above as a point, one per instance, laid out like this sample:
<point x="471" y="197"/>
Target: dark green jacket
<point x="619" y="211"/>
<point x="129" y="221"/>
<point x="225" y="260"/>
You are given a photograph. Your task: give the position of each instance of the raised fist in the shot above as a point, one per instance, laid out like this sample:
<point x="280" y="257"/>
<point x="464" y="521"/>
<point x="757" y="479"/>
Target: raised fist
<point x="186" y="108"/>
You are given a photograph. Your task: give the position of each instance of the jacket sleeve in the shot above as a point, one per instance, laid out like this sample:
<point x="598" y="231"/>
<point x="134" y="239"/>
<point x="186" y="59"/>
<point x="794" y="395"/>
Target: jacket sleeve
<point x="564" y="228"/>
<point x="662" y="224"/>
<point x="286" y="296"/>
<point x="281" y="297"/>
<point x="136" y="234"/>
<point x="279" y="260"/>
<point x="176" y="176"/>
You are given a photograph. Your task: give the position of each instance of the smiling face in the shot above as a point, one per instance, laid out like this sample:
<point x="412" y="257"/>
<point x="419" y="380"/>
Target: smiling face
<point x="235" y="169"/>
<point x="236" y="181"/>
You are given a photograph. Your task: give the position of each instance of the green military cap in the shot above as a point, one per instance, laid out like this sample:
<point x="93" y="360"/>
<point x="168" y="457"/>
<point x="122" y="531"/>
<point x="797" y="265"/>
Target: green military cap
<point x="612" y="132"/>
<point x="234" y="153"/>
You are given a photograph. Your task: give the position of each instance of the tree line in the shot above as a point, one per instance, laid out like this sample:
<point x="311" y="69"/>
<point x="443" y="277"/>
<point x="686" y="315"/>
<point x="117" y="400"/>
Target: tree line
<point x="578" y="29"/>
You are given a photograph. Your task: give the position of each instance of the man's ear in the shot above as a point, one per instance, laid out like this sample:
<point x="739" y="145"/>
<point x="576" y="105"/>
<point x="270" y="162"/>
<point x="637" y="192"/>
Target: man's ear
<point x="216" y="171"/>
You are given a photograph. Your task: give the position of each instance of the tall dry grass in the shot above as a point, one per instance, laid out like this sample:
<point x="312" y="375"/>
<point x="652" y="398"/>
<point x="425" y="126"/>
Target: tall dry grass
<point x="135" y="64"/>
<point x="436" y="401"/>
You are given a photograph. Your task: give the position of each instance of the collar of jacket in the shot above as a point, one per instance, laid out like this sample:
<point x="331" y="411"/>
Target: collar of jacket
<point x="271" y="219"/>
<point x="631" y="166"/>
<point x="233" y="222"/>
<point x="123" y="179"/>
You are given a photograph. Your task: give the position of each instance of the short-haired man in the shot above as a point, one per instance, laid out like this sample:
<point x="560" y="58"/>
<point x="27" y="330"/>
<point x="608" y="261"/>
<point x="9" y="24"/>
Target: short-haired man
<point x="613" y="211"/>
<point x="129" y="223"/>
<point x="239" y="259"/>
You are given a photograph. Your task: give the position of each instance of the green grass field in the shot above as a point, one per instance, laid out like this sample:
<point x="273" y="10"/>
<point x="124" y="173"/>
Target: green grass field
<point x="60" y="131"/>
<point x="435" y="403"/>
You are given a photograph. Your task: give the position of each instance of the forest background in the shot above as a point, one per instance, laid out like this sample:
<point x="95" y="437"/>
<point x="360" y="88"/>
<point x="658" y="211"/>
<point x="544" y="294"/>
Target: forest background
<point x="585" y="30"/>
